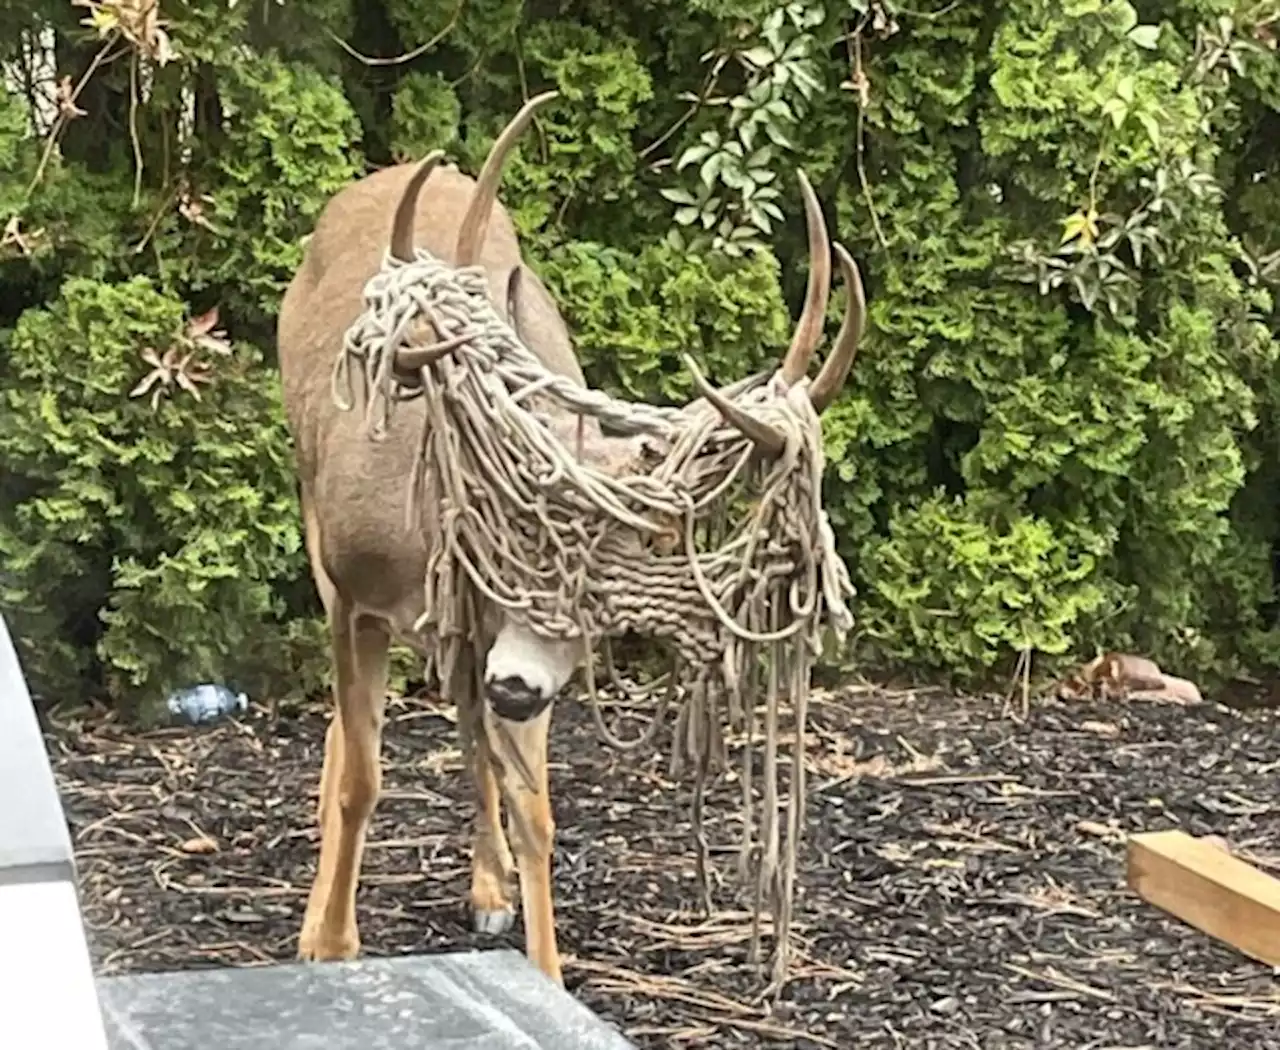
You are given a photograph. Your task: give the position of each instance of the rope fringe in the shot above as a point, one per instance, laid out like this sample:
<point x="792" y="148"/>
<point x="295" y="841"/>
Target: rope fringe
<point x="514" y="519"/>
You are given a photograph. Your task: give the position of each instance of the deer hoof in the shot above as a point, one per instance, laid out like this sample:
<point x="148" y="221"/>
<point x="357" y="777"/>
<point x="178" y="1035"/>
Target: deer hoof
<point x="494" y="923"/>
<point x="317" y="946"/>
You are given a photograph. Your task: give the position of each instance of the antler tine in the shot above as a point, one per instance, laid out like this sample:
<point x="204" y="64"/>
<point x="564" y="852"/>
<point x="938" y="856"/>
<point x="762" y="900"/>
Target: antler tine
<point x="809" y="328"/>
<point x="410" y="360"/>
<point x="402" y="224"/>
<point x="835" y="370"/>
<point x="766" y="437"/>
<point x="475" y="223"/>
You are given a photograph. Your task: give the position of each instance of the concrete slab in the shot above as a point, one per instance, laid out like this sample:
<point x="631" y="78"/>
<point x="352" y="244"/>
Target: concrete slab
<point x="491" y="1000"/>
<point x="44" y="942"/>
<point x="34" y="843"/>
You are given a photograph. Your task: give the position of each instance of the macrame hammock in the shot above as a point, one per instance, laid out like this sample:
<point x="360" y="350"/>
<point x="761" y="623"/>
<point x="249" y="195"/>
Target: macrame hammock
<point x="514" y="518"/>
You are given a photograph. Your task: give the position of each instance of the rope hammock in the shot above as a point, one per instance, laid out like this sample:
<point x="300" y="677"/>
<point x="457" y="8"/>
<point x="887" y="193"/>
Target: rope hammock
<point x="741" y="591"/>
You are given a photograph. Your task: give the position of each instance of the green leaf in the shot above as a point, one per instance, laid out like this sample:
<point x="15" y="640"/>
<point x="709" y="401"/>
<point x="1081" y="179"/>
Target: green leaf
<point x="778" y="136"/>
<point x="1116" y="109"/>
<point x="693" y="155"/>
<point x="677" y="195"/>
<point x="759" y="56"/>
<point x="1152" y="125"/>
<point x="1081" y="224"/>
<point x="1126" y="16"/>
<point x="710" y="169"/>
<point x="1145" y="36"/>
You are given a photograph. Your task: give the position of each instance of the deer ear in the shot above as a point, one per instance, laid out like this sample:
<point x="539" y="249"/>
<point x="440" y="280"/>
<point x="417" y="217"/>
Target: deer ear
<point x="511" y="306"/>
<point x="533" y="315"/>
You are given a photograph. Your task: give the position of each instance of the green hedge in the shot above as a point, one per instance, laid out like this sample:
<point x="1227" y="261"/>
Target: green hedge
<point x="1061" y="430"/>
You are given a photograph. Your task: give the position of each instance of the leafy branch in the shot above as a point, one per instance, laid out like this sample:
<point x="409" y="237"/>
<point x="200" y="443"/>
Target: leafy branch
<point x="1100" y="253"/>
<point x="1263" y="269"/>
<point x="132" y="27"/>
<point x="1089" y="259"/>
<point x="734" y="203"/>
<point x="1223" y="48"/>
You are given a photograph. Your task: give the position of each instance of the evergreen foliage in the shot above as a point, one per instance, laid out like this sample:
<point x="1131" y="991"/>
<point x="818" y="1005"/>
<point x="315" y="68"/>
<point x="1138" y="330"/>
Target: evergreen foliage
<point x="1061" y="432"/>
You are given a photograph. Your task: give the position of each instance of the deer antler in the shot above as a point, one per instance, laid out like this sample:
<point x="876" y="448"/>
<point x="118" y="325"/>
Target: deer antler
<point x="402" y="224"/>
<point x="835" y="370"/>
<point x="475" y="224"/>
<point x="471" y="232"/>
<point x="809" y="328"/>
<point x="767" y="437"/>
<point x="412" y="359"/>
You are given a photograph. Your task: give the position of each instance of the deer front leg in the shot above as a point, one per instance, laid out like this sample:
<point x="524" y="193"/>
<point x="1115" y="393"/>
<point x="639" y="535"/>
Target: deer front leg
<point x="349" y="785"/>
<point x="523" y="674"/>
<point x="492" y="866"/>
<point x="521" y="750"/>
<point x="326" y="818"/>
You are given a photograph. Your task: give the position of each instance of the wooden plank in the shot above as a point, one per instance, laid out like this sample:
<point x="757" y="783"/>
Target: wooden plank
<point x="1206" y="887"/>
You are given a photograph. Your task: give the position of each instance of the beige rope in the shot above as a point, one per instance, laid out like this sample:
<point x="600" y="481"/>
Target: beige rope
<point x="515" y="519"/>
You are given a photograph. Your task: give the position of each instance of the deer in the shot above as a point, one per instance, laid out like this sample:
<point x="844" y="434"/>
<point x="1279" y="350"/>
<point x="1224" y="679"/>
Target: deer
<point x="368" y="564"/>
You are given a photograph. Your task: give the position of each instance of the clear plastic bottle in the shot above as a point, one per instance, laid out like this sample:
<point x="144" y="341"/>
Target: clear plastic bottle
<point x="205" y="703"/>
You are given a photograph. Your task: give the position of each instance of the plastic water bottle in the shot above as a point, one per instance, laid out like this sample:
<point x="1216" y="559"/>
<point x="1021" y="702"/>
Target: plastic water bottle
<point x="205" y="703"/>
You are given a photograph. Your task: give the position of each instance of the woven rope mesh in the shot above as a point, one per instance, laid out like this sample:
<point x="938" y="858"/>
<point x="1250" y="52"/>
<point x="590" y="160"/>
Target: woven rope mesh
<point x="724" y="556"/>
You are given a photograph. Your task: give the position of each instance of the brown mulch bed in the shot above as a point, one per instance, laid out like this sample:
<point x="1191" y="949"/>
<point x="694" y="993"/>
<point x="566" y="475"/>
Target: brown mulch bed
<point x="962" y="885"/>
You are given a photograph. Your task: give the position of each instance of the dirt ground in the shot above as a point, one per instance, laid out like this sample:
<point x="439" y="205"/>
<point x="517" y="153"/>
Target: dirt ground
<point x="962" y="883"/>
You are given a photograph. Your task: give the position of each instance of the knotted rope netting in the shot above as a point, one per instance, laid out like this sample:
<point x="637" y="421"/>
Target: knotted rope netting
<point x="741" y="590"/>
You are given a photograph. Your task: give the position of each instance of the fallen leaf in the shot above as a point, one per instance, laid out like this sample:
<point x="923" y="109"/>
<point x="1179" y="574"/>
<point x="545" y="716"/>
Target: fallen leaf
<point x="199" y="844"/>
<point x="204" y="333"/>
<point x="1102" y="831"/>
<point x="204" y="324"/>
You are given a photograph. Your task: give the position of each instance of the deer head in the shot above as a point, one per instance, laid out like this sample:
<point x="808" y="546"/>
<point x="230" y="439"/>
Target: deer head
<point x="623" y="455"/>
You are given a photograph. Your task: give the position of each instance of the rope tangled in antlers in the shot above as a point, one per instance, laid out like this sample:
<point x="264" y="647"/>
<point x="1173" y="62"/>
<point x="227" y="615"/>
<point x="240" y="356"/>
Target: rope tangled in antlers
<point x="514" y="518"/>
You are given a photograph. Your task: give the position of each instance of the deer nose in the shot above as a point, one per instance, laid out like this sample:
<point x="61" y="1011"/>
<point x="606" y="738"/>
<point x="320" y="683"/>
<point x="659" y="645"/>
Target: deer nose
<point x="515" y="700"/>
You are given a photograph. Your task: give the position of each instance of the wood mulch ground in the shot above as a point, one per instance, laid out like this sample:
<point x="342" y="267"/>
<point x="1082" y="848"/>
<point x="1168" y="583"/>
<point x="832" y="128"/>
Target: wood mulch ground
<point x="962" y="886"/>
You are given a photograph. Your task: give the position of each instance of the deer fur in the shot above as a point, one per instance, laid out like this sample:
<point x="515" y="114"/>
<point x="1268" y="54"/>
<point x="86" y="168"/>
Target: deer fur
<point x="369" y="567"/>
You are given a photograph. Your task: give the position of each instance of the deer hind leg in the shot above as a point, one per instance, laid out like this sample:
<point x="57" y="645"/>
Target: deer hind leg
<point x="523" y="674"/>
<point x="349" y="784"/>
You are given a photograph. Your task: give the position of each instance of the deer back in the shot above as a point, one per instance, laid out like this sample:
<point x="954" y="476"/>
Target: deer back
<point x="354" y="489"/>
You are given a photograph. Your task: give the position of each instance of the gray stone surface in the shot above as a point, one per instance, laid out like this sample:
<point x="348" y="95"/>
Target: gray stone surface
<point x="41" y="933"/>
<point x="34" y="844"/>
<point x="492" y="1000"/>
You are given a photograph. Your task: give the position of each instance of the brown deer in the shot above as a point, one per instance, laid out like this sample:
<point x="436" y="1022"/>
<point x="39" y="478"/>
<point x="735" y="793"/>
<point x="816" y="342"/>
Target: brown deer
<point x="369" y="566"/>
